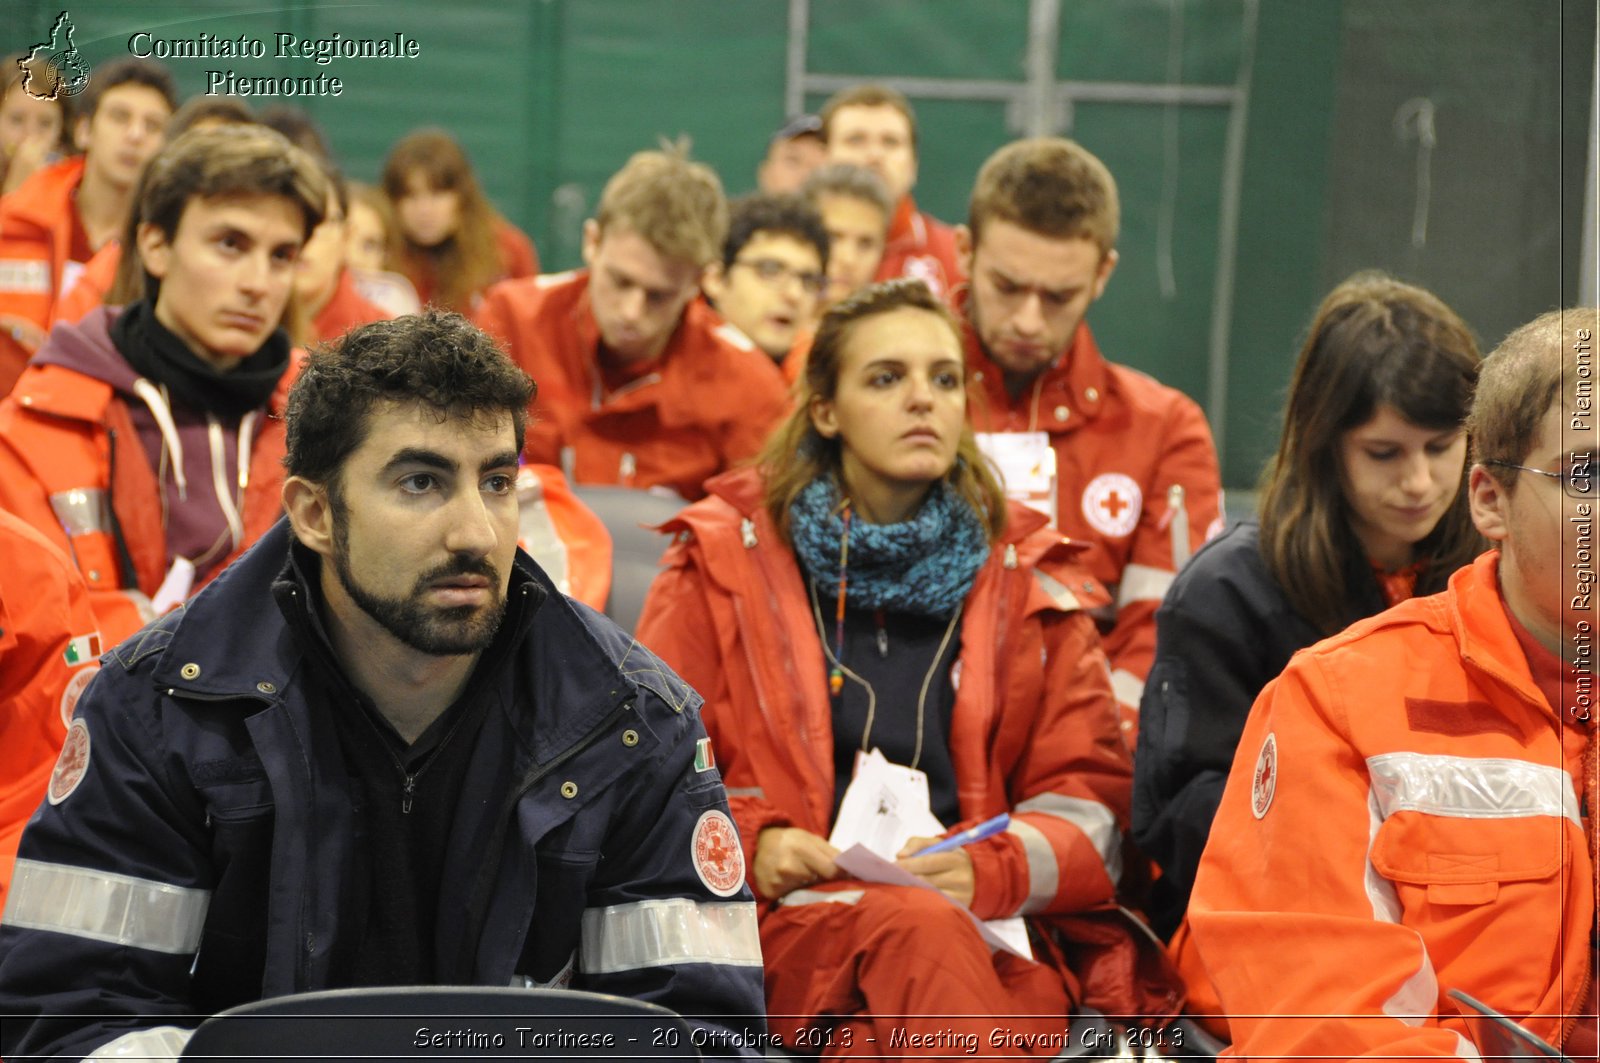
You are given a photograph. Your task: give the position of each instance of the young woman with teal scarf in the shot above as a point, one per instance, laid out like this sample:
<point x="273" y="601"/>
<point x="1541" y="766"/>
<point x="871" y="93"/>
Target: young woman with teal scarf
<point x="867" y="586"/>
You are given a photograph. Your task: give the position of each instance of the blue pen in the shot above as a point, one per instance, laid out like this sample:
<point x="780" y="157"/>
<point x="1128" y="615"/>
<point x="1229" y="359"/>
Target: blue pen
<point x="972" y="834"/>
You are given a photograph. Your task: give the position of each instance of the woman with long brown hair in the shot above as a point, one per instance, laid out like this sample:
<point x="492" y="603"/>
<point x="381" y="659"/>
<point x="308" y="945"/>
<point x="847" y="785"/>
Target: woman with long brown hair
<point x="1363" y="505"/>
<point x="866" y="587"/>
<point x="448" y="240"/>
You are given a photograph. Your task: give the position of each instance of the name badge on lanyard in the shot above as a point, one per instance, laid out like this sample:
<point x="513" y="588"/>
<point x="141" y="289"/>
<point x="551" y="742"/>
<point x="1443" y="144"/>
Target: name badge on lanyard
<point x="1026" y="465"/>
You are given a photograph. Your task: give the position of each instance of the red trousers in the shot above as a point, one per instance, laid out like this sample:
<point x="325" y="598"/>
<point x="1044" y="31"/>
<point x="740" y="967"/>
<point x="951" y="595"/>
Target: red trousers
<point x="869" y="970"/>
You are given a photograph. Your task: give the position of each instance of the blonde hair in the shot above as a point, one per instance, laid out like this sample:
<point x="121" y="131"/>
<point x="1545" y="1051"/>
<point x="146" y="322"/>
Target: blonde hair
<point x="796" y="454"/>
<point x="675" y="205"/>
<point x="1050" y="186"/>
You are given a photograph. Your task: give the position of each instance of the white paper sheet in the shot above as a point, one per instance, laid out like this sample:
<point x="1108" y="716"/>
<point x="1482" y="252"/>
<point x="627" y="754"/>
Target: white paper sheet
<point x="1011" y="935"/>
<point x="884" y="806"/>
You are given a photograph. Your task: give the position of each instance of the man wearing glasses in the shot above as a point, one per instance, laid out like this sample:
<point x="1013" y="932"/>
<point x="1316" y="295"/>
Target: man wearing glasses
<point x="773" y="270"/>
<point x="640" y="383"/>
<point x="1410" y="816"/>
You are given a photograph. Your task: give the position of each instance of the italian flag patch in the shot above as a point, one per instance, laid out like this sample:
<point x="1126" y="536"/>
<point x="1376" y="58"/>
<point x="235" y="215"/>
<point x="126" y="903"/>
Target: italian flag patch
<point x="83" y="649"/>
<point x="703" y="759"/>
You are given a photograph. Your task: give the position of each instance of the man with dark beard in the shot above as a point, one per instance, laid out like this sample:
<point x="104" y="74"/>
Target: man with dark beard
<point x="382" y="749"/>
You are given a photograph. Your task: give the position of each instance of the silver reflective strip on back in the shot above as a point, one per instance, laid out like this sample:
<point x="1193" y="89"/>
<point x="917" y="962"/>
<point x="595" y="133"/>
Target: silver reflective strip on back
<point x="1143" y="583"/>
<point x="103" y="906"/>
<point x="158" y="1044"/>
<point x="656" y="933"/>
<point x="1044" y="873"/>
<point x="1470" y="787"/>
<point x="1093" y="818"/>
<point x="82" y="511"/>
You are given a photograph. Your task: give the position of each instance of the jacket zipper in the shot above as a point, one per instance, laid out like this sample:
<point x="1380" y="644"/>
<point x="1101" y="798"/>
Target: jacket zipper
<point x="408" y="789"/>
<point x="130" y="576"/>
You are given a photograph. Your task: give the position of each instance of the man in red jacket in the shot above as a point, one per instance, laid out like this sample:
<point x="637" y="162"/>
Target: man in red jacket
<point x="873" y="126"/>
<point x="1411" y="810"/>
<point x="1134" y="467"/>
<point x="60" y="217"/>
<point x="640" y="384"/>
<point x="146" y="442"/>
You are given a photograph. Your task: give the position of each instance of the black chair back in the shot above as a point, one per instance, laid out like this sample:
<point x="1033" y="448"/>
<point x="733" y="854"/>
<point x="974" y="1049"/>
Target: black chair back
<point x="377" y="1025"/>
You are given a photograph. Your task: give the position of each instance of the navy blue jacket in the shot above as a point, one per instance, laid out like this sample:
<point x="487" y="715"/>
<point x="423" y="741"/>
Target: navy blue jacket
<point x="1223" y="632"/>
<point x="141" y="899"/>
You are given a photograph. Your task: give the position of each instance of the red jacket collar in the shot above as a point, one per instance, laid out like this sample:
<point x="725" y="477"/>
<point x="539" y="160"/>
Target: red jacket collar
<point x="680" y="378"/>
<point x="1082" y="371"/>
<point x="904" y="220"/>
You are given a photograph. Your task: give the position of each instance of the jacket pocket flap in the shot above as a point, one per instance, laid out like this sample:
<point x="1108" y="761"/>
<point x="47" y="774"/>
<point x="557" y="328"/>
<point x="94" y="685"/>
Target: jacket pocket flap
<point x="1427" y="850"/>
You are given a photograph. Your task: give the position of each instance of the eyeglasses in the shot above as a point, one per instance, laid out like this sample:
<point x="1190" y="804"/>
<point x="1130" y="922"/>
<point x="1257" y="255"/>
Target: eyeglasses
<point x="1577" y="479"/>
<point x="773" y="272"/>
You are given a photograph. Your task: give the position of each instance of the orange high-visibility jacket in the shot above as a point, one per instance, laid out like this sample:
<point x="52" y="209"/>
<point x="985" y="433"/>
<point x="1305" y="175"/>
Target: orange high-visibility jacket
<point x="71" y="465"/>
<point x="1402" y="820"/>
<point x="36" y="227"/>
<point x="49" y="650"/>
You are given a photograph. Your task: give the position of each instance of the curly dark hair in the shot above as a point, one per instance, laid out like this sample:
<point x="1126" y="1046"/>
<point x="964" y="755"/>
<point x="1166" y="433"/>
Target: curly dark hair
<point x="436" y="359"/>
<point x="781" y="215"/>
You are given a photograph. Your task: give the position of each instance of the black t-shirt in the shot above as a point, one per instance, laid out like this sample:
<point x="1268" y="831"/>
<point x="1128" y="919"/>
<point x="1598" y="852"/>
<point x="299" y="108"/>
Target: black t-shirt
<point x="895" y="653"/>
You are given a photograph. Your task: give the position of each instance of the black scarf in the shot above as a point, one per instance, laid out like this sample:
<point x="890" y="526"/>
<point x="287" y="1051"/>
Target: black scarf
<point x="162" y="358"/>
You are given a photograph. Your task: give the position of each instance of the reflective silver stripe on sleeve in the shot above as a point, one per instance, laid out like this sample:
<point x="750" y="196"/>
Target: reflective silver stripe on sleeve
<point x="1091" y="817"/>
<point x="1143" y="583"/>
<point x="159" y="1044"/>
<point x="82" y="511"/>
<point x="1057" y="591"/>
<point x="108" y="907"/>
<point x="1044" y="872"/>
<point x="655" y="933"/>
<point x="1470" y="787"/>
<point x="1096" y="821"/>
<point x="747" y="791"/>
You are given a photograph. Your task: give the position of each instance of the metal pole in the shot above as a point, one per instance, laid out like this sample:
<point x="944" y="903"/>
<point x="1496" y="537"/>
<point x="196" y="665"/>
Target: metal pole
<point x="1041" y="115"/>
<point x="1228" y="238"/>
<point x="794" y="85"/>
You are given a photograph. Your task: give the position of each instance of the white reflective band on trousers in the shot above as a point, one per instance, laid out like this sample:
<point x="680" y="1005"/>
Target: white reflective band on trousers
<point x="656" y="933"/>
<point x="104" y="906"/>
<point x="1044" y="870"/>
<point x="1458" y="788"/>
<point x="159" y="1044"/>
